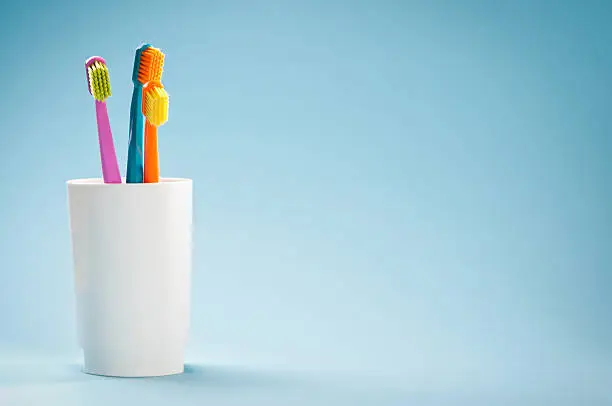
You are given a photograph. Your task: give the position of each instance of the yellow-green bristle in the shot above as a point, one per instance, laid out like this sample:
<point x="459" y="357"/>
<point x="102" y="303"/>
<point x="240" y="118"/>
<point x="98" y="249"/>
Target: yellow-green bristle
<point x="156" y="103"/>
<point x="99" y="81"/>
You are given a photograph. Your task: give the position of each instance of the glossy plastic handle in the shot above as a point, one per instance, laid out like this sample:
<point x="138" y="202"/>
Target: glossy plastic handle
<point x="108" y="157"/>
<point x="135" y="148"/>
<point x="151" y="156"/>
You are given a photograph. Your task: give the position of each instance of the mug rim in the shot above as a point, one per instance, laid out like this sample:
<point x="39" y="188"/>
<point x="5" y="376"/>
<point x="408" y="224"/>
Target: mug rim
<point x="100" y="182"/>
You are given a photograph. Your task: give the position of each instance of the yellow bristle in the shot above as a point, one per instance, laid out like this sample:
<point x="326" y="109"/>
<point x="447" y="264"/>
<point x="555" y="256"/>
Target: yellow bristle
<point x="156" y="103"/>
<point x="99" y="81"/>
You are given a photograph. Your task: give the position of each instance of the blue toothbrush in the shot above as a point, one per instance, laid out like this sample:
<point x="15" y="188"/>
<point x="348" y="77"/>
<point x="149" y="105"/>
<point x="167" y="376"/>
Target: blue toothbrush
<point x="135" y="165"/>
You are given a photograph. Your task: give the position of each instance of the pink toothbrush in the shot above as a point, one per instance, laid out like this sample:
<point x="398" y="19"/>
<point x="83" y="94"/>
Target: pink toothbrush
<point x="98" y="83"/>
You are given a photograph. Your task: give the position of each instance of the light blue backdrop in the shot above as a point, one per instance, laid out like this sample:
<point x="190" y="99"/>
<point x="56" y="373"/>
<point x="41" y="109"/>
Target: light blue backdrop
<point x="420" y="191"/>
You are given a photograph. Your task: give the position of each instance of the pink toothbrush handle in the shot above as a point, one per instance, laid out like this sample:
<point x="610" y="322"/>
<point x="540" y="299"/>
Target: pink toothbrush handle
<point x="110" y="167"/>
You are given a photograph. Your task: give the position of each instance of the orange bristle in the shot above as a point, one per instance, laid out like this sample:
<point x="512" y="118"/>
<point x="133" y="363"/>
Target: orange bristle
<point x="151" y="65"/>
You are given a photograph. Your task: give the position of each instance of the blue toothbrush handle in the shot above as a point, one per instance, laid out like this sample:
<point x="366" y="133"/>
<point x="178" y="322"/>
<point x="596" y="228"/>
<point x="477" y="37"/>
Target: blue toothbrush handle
<point x="135" y="166"/>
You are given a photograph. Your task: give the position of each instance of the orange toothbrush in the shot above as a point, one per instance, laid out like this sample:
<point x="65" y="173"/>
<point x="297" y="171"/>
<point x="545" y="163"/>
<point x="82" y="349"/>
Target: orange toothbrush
<point x="155" y="109"/>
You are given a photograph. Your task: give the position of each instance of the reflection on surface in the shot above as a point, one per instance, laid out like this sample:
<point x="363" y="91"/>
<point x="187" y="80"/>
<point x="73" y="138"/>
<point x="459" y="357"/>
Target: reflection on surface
<point x="64" y="384"/>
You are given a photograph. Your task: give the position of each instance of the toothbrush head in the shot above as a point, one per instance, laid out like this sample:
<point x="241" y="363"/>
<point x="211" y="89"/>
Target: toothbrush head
<point x="148" y="65"/>
<point x="98" y="79"/>
<point x="155" y="103"/>
<point x="137" y="62"/>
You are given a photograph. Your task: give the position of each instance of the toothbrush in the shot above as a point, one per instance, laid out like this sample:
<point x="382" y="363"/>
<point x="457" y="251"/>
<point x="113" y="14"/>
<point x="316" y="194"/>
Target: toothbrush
<point x="98" y="83"/>
<point x="155" y="109"/>
<point x="148" y="66"/>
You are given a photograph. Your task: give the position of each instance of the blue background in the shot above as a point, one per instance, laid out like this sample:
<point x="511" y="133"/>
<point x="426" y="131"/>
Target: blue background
<point x="396" y="202"/>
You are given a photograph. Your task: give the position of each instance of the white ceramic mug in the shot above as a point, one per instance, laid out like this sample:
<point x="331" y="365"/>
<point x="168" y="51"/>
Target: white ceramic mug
<point x="132" y="250"/>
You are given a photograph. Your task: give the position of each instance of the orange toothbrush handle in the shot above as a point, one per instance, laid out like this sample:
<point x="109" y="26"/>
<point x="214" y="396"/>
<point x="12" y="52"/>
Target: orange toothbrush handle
<point x="151" y="154"/>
